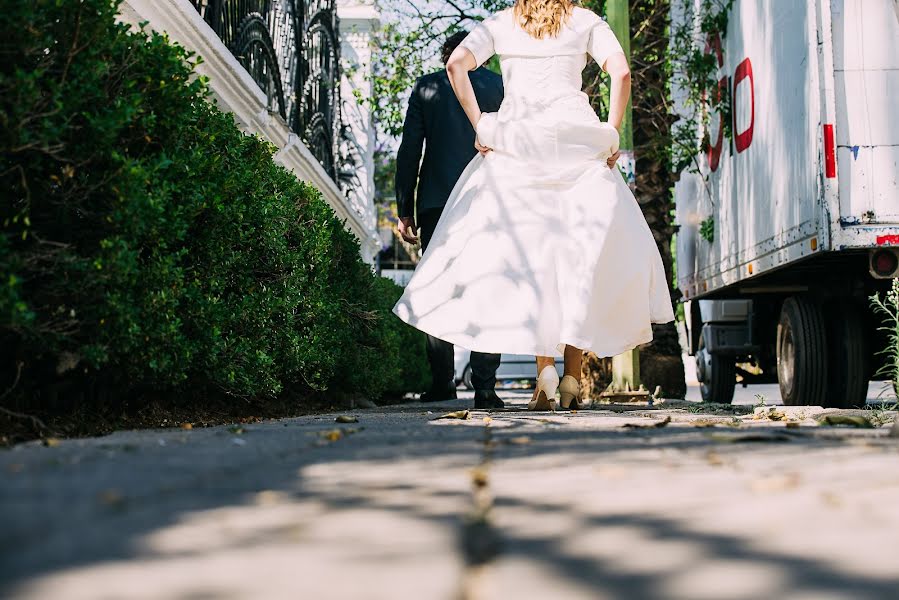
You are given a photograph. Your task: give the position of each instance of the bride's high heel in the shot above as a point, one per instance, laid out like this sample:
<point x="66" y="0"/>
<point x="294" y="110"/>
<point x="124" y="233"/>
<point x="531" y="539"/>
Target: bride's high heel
<point x="545" y="395"/>
<point x="569" y="393"/>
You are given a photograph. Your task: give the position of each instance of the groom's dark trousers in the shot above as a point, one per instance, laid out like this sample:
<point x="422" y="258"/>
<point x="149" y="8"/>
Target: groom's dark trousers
<point x="436" y="123"/>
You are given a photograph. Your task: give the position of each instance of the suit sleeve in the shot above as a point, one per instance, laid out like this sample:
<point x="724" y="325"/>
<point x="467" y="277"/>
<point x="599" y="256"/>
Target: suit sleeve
<point x="408" y="158"/>
<point x="480" y="43"/>
<point x="602" y="43"/>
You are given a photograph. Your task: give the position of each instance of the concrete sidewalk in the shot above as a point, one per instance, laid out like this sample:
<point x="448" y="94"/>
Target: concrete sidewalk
<point x="509" y="504"/>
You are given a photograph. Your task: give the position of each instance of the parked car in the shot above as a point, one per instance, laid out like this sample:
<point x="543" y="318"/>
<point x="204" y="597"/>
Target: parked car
<point x="515" y="367"/>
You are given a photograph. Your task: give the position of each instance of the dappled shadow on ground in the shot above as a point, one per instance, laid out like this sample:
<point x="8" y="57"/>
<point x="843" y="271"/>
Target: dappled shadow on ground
<point x="582" y="508"/>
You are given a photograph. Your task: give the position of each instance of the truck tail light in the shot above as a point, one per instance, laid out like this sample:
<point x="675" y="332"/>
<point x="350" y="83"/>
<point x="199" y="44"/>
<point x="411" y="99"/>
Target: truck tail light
<point x="830" y="152"/>
<point x="884" y="264"/>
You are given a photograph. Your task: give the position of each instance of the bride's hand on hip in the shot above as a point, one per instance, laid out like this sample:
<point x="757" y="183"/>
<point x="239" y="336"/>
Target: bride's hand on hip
<point x="482" y="148"/>
<point x="612" y="160"/>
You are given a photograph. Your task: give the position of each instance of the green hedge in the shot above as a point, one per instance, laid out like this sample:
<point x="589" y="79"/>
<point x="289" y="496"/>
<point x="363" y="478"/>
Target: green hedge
<point x="147" y="242"/>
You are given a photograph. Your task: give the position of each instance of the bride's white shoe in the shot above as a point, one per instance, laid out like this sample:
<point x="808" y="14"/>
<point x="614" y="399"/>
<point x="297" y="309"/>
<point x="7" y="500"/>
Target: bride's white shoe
<point x="545" y="395"/>
<point x="569" y="393"/>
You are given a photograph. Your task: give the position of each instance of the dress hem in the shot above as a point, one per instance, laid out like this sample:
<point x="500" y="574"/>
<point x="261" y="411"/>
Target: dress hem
<point x="644" y="338"/>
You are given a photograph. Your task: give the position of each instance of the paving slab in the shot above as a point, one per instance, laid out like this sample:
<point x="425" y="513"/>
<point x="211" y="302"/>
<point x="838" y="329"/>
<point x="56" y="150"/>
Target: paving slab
<point x="666" y="501"/>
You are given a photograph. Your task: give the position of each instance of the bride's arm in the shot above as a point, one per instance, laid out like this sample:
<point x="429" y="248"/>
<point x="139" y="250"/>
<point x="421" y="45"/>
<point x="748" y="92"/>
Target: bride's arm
<point x="616" y="67"/>
<point x="462" y="61"/>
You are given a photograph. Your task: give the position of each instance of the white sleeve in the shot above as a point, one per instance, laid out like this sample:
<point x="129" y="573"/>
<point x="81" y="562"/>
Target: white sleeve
<point x="480" y="43"/>
<point x="602" y="43"/>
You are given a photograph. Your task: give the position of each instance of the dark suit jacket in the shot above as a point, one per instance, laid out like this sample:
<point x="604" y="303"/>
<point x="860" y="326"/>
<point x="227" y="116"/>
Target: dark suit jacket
<point x="435" y="115"/>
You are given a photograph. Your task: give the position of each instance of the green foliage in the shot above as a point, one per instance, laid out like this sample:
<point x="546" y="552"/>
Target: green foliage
<point x="147" y="241"/>
<point x="707" y="229"/>
<point x="694" y="71"/>
<point x="409" y="45"/>
<point x="888" y="308"/>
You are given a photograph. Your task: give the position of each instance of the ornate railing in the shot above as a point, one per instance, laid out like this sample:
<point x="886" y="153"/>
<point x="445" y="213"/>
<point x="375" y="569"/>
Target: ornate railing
<point x="290" y="48"/>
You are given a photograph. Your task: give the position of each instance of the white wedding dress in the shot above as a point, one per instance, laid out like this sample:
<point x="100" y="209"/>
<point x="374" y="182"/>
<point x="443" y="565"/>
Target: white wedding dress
<point x="541" y="244"/>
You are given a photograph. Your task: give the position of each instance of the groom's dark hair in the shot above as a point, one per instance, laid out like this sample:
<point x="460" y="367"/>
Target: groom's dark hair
<point x="451" y="43"/>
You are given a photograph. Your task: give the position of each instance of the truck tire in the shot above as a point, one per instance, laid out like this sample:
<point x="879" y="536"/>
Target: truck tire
<point x="717" y="375"/>
<point x="466" y="378"/>
<point x="801" y="353"/>
<point x="848" y="368"/>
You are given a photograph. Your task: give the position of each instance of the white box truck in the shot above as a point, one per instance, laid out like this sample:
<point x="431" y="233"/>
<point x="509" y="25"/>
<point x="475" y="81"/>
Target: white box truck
<point x="791" y="223"/>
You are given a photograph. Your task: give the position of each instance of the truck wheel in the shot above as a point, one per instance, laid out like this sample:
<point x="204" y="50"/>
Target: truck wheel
<point x="466" y="378"/>
<point x="801" y="353"/>
<point x="717" y="375"/>
<point x="847" y="369"/>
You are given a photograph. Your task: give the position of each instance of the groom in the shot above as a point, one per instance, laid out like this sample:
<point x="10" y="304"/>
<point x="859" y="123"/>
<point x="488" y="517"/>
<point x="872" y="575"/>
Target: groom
<point x="436" y="119"/>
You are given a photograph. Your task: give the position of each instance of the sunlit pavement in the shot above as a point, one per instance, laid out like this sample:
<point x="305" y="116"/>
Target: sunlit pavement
<point x="509" y="504"/>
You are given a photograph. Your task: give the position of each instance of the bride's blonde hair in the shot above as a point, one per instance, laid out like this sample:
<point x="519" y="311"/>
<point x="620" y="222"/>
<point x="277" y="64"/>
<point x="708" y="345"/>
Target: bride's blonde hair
<point x="541" y="18"/>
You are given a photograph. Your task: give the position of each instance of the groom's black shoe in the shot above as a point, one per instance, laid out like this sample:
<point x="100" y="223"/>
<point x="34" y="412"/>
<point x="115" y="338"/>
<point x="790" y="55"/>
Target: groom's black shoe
<point x="440" y="394"/>
<point x="487" y="399"/>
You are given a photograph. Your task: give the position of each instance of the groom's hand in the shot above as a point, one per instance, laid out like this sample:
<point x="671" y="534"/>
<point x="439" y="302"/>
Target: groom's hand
<point x="613" y="159"/>
<point x="407" y="228"/>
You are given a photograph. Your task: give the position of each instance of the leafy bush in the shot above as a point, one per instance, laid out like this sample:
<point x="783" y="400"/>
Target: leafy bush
<point x="147" y="243"/>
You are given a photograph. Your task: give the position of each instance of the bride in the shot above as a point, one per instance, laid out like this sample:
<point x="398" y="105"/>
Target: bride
<point x="542" y="248"/>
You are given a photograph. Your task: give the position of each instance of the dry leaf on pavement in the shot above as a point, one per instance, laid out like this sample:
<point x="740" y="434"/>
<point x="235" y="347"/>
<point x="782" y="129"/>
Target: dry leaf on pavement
<point x="520" y="440"/>
<point x="656" y="425"/>
<point x="459" y="414"/>
<point x="849" y="420"/>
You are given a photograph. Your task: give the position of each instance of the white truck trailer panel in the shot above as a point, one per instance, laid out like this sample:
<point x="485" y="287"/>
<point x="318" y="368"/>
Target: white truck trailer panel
<point x="866" y="90"/>
<point x="812" y="163"/>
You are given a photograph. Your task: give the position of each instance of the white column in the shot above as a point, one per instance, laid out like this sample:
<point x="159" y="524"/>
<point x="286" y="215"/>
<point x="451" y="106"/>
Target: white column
<point x="359" y="19"/>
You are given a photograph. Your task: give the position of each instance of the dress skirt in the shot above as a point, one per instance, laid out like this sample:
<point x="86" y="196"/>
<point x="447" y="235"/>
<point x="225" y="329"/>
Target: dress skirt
<point x="540" y="245"/>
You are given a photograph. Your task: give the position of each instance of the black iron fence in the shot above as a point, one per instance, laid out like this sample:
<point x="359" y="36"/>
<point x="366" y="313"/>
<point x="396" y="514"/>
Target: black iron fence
<point x="291" y="50"/>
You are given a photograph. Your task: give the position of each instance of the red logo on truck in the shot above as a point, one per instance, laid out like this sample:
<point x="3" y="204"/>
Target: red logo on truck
<point x="743" y="139"/>
<point x="742" y="76"/>
<point x="715" y="149"/>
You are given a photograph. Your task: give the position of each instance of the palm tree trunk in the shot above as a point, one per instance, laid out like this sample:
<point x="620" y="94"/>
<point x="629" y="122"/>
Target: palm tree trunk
<point x="660" y="362"/>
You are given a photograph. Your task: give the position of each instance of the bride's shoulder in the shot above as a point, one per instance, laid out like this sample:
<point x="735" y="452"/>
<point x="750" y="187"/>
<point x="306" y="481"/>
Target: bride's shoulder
<point x="500" y="16"/>
<point x="584" y="17"/>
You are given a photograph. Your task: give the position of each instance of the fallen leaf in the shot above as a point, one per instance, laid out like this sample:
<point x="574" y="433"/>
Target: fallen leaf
<point x="707" y="423"/>
<point x="333" y="435"/>
<point x="479" y="476"/>
<point x="775" y="415"/>
<point x="656" y="425"/>
<point x="714" y="459"/>
<point x="520" y="440"/>
<point x="848" y="420"/>
<point x="487" y="420"/>
<point x="831" y="499"/>
<point x="793" y="425"/>
<point x="51" y="442"/>
<point x="775" y="483"/>
<point x="459" y="414"/>
<point x="236" y="429"/>
<point x="186" y="426"/>
<point x="346" y="419"/>
<point x="111" y="497"/>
